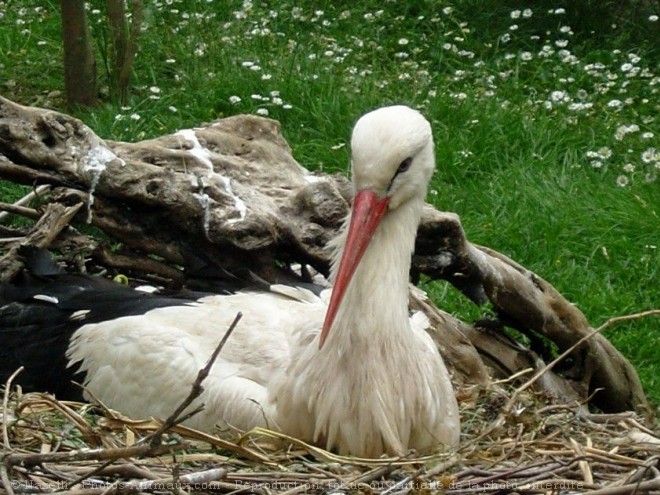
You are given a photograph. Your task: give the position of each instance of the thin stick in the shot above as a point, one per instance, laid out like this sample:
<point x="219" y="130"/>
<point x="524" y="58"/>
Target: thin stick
<point x="91" y="473"/>
<point x="444" y="465"/>
<point x="5" y="405"/>
<point x="23" y="211"/>
<point x="365" y="478"/>
<point x="198" y="478"/>
<point x="18" y="206"/>
<point x="6" y="482"/>
<point x="551" y="364"/>
<point x="93" y="454"/>
<point x="196" y="389"/>
<point x="643" y="487"/>
<point x="157" y="485"/>
<point x="513" y="377"/>
<point x="635" y="316"/>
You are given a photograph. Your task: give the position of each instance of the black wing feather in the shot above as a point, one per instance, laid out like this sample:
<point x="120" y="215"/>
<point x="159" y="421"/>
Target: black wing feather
<point x="35" y="333"/>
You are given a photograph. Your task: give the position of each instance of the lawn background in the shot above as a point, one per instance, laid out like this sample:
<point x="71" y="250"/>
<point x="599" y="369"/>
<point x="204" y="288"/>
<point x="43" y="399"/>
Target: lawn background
<point x="545" y="116"/>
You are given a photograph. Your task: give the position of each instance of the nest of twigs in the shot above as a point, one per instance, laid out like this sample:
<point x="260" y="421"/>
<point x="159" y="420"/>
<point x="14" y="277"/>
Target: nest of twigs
<point x="53" y="446"/>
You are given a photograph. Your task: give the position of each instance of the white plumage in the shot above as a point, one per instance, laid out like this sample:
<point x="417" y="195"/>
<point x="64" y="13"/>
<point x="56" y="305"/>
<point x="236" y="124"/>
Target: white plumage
<point x="373" y="383"/>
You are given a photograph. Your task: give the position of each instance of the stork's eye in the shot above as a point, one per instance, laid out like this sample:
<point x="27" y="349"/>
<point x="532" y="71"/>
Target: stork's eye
<point x="405" y="165"/>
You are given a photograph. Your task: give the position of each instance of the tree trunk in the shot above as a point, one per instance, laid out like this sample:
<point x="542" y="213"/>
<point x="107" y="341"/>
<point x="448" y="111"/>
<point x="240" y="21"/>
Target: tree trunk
<point x="124" y="42"/>
<point x="79" y="61"/>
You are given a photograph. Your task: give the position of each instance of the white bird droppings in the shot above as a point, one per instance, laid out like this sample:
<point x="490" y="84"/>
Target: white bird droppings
<point x="205" y="203"/>
<point x="238" y="202"/>
<point x="204" y="156"/>
<point x="94" y="163"/>
<point x="198" y="151"/>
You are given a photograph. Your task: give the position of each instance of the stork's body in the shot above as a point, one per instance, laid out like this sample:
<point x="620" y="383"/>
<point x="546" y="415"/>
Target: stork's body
<point x="358" y="375"/>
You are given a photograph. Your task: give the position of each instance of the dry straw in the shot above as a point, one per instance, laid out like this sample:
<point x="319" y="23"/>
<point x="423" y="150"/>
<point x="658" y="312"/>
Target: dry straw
<point x="513" y="441"/>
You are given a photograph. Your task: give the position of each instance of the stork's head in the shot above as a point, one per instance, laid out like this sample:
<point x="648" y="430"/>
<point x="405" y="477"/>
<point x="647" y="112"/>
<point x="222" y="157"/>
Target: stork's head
<point x="392" y="154"/>
<point x="392" y="163"/>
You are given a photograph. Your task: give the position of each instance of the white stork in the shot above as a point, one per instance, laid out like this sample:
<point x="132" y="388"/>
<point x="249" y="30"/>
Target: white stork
<point x="357" y="375"/>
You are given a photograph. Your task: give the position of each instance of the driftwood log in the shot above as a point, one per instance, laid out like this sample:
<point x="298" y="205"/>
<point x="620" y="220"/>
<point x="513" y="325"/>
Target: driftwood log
<point x="230" y="193"/>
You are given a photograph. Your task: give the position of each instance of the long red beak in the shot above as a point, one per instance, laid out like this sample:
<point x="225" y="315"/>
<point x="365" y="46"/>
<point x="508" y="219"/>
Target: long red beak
<point x="368" y="211"/>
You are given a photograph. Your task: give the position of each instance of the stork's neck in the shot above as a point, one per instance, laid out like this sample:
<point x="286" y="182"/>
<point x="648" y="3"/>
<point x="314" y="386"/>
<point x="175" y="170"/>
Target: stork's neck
<point x="376" y="301"/>
<point x="377" y="384"/>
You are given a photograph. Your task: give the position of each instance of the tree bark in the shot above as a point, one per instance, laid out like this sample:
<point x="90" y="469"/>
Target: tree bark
<point x="229" y="194"/>
<point x="124" y="37"/>
<point x="79" y="61"/>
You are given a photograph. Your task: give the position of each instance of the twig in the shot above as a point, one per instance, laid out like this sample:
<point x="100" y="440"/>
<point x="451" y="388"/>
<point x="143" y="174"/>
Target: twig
<point x="196" y="389"/>
<point x="5" y="405"/>
<point x="303" y="487"/>
<point x="92" y="437"/>
<point x="399" y="484"/>
<point x="6" y="482"/>
<point x="91" y="473"/>
<point x="327" y="456"/>
<point x="126" y="470"/>
<point x="551" y="364"/>
<point x="191" y="434"/>
<point x="93" y="454"/>
<point x="143" y="264"/>
<point x="55" y="218"/>
<point x="644" y="486"/>
<point x="162" y="484"/>
<point x="513" y="377"/>
<point x="640" y="473"/>
<point x="544" y="466"/>
<point x="23" y="211"/>
<point x="18" y="206"/>
<point x="557" y="485"/>
<point x="445" y="465"/>
<point x="176" y="478"/>
<point x="606" y="418"/>
<point x="635" y="316"/>
<point x="408" y="480"/>
<point x="364" y="478"/>
<point x="203" y="476"/>
<point x="612" y="458"/>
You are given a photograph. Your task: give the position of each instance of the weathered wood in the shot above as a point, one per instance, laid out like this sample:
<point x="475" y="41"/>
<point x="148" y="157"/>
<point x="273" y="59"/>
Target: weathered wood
<point x="530" y="304"/>
<point x="137" y="264"/>
<point x="55" y="218"/>
<point x="230" y="192"/>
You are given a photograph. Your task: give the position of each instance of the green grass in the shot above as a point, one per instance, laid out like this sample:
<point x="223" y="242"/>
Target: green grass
<point x="519" y="113"/>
